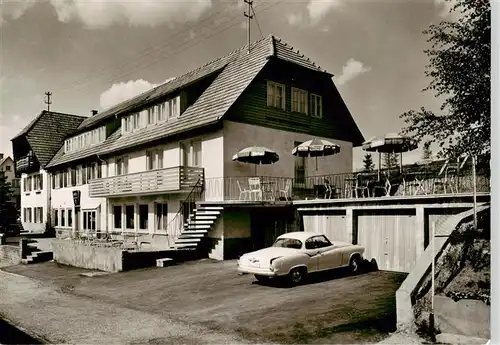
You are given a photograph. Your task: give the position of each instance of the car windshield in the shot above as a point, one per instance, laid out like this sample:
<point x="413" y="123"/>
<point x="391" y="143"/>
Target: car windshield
<point x="288" y="243"/>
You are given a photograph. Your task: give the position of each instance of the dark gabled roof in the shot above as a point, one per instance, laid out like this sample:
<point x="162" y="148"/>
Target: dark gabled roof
<point x="235" y="72"/>
<point x="46" y="133"/>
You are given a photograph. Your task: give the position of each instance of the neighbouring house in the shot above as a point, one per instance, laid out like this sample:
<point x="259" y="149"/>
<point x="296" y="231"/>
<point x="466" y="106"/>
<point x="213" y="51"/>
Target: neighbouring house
<point x="130" y="169"/>
<point x="33" y="148"/>
<point x="7" y="170"/>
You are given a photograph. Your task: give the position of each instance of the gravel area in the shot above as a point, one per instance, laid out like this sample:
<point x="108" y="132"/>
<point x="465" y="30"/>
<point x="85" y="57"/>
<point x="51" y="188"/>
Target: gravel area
<point x="200" y="302"/>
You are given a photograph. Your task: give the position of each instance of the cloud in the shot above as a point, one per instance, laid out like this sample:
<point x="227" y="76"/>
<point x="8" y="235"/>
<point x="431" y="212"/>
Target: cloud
<point x="316" y="11"/>
<point x="296" y="19"/>
<point x="98" y="14"/>
<point x="14" y="9"/>
<point x="120" y="92"/>
<point x="319" y="8"/>
<point x="351" y="70"/>
<point x="445" y="6"/>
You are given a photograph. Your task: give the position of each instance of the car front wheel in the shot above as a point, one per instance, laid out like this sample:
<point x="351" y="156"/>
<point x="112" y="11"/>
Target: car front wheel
<point x="355" y="264"/>
<point x="297" y="276"/>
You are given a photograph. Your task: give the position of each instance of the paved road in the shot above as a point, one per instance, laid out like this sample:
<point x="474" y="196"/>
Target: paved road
<point x="201" y="302"/>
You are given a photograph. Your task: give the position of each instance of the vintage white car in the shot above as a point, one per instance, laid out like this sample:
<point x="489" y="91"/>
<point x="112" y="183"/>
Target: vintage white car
<point x="295" y="254"/>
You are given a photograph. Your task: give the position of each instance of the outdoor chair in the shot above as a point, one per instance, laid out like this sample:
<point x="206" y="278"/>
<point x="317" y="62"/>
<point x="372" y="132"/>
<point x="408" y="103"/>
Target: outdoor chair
<point x="286" y="191"/>
<point x="351" y="187"/>
<point x="255" y="188"/>
<point x="244" y="193"/>
<point x="450" y="178"/>
<point x="363" y="186"/>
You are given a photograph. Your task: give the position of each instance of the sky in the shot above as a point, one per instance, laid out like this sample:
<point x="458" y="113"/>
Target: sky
<point x="95" y="53"/>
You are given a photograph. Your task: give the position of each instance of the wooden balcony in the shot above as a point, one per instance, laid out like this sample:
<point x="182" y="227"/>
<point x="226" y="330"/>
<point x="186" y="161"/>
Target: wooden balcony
<point x="26" y="164"/>
<point x="168" y="180"/>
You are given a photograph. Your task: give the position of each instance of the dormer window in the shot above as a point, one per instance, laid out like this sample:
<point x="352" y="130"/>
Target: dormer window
<point x="299" y="100"/>
<point x="84" y="140"/>
<point x="316" y="106"/>
<point x="275" y="95"/>
<point x="152" y="115"/>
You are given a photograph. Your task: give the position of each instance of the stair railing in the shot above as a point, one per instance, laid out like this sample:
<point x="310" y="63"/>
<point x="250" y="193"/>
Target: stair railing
<point x="176" y="225"/>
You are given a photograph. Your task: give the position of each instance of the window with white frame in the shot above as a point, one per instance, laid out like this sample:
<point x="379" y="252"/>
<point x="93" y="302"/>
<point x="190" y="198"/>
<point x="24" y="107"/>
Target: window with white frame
<point x="84" y="140"/>
<point x="38" y="182"/>
<point x="117" y="217"/>
<point x="143" y="216"/>
<point x="174" y="107"/>
<point x="316" y="106"/>
<point x="191" y="153"/>
<point x="129" y="216"/>
<point x="70" y="218"/>
<point x="154" y="159"/>
<point x="161" y="216"/>
<point x="299" y="100"/>
<point x="38" y="213"/>
<point x="121" y="165"/>
<point x="63" y="218"/>
<point x="151" y="116"/>
<point x="89" y="220"/>
<point x="275" y="95"/>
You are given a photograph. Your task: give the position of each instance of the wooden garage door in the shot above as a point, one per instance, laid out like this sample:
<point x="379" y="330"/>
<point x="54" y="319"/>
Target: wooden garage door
<point x="333" y="226"/>
<point x="390" y="239"/>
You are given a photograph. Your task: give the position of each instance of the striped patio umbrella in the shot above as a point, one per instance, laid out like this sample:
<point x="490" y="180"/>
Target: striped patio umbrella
<point x="316" y="148"/>
<point x="256" y="155"/>
<point x="390" y="143"/>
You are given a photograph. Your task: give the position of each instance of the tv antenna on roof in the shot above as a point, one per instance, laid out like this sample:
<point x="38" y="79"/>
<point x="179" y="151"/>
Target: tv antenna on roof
<point x="250" y="17"/>
<point x="47" y="100"/>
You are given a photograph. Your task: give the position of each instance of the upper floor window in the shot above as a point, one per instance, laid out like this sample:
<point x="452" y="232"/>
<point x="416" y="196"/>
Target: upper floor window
<point x="151" y="115"/>
<point x="299" y="100"/>
<point x="316" y="106"/>
<point x="37" y="182"/>
<point x="84" y="140"/>
<point x="121" y="165"/>
<point x="7" y="168"/>
<point x="154" y="159"/>
<point x="275" y="95"/>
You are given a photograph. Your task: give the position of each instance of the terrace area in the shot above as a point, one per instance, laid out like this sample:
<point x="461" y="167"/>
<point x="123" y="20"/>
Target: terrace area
<point x="416" y="180"/>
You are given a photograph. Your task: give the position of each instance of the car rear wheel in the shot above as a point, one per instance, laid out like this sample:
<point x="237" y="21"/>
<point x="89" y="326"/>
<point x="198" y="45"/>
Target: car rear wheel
<point x="261" y="278"/>
<point x="297" y="276"/>
<point x="355" y="264"/>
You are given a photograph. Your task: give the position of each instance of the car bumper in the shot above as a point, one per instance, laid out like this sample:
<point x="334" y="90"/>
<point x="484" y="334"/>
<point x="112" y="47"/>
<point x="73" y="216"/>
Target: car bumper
<point x="257" y="270"/>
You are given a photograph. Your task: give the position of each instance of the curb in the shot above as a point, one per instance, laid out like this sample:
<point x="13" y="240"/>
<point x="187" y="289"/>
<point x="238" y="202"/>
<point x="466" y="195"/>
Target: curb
<point x="40" y="339"/>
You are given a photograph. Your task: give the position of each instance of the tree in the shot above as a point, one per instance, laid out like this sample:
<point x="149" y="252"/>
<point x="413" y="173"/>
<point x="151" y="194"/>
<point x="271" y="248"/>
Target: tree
<point x="459" y="70"/>
<point x="8" y="212"/>
<point x="368" y="164"/>
<point x="427" y="152"/>
<point x="390" y="160"/>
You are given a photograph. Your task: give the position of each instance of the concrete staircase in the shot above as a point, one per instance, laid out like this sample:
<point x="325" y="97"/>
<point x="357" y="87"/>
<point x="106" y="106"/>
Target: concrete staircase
<point x="38" y="252"/>
<point x="198" y="225"/>
<point x="37" y="257"/>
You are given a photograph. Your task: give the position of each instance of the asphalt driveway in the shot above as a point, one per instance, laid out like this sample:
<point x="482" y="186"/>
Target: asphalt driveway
<point x="331" y="308"/>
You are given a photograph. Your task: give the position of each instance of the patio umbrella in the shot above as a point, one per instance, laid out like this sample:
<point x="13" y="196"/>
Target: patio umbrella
<point x="390" y="143"/>
<point x="256" y="155"/>
<point x="316" y="148"/>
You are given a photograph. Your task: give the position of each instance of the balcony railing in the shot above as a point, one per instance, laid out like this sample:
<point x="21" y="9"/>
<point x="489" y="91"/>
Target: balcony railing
<point x="26" y="164"/>
<point x="176" y="179"/>
<point x="343" y="186"/>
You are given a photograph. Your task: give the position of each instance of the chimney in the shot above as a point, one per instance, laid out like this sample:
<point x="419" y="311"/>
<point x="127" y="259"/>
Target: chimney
<point x="1" y="156"/>
<point x="94" y="112"/>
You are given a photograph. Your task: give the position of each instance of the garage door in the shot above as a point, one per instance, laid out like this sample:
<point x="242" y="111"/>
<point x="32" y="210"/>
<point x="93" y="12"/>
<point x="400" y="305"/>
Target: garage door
<point x="390" y="239"/>
<point x="333" y="226"/>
